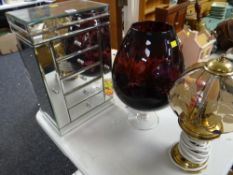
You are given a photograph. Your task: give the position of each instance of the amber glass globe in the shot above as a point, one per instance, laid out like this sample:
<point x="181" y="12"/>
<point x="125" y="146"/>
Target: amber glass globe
<point x="203" y="99"/>
<point x="146" y="66"/>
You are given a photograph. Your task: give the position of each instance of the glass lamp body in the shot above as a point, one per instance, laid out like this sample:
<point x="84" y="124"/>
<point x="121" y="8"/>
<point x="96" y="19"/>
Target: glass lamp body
<point x="203" y="102"/>
<point x="146" y="65"/>
<point x="202" y="99"/>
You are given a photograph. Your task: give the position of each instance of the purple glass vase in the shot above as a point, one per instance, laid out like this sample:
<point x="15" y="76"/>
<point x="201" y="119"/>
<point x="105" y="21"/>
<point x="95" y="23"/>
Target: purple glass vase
<point x="146" y="65"/>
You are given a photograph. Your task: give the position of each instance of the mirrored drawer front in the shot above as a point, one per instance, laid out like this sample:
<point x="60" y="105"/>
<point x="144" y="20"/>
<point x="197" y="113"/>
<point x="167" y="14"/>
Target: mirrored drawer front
<point x="86" y="106"/>
<point x="75" y="44"/>
<point x="87" y="64"/>
<point x="84" y="93"/>
<point x="80" y="80"/>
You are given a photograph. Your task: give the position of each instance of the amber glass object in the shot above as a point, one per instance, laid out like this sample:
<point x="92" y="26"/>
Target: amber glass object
<point x="203" y="99"/>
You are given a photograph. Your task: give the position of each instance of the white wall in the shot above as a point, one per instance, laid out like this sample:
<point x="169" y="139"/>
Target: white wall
<point x="131" y="13"/>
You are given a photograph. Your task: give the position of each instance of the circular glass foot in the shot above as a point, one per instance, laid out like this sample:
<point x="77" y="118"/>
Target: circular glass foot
<point x="143" y="120"/>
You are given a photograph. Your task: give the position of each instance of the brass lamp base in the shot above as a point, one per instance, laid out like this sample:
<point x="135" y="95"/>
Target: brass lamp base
<point x="183" y="163"/>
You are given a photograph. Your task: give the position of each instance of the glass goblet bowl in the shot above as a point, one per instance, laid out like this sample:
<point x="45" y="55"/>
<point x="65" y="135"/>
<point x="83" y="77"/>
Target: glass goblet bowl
<point x="147" y="64"/>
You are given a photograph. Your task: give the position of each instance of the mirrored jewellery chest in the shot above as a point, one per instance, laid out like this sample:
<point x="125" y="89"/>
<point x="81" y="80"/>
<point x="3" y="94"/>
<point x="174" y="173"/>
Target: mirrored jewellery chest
<point x="66" y="50"/>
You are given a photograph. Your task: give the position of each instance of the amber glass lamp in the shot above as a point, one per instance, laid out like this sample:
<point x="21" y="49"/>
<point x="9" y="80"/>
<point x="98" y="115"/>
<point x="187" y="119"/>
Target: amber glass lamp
<point x="203" y="101"/>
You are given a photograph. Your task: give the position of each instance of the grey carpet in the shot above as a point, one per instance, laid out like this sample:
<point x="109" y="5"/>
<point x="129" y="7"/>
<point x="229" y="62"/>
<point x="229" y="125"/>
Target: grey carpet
<point x="24" y="148"/>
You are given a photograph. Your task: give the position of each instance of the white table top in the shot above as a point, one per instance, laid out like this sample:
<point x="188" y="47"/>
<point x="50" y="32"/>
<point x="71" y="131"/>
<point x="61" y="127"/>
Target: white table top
<point x="108" y="145"/>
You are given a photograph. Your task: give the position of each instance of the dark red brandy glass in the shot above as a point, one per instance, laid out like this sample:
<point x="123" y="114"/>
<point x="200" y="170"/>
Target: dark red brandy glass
<point x="146" y="65"/>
